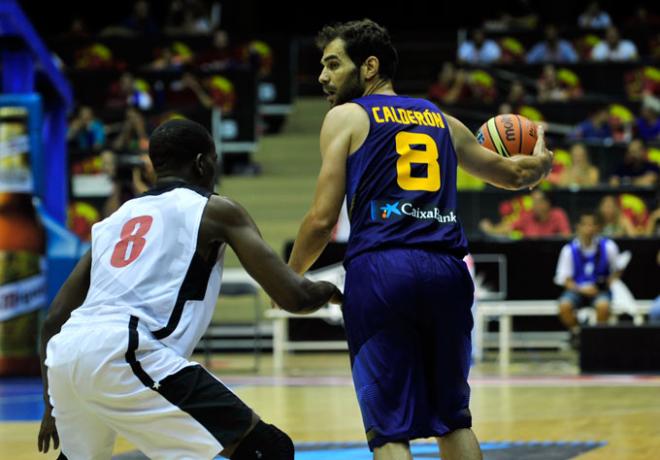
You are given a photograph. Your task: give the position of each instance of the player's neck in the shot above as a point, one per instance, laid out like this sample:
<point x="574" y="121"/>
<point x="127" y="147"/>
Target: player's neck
<point x="173" y="178"/>
<point x="380" y="86"/>
<point x="586" y="242"/>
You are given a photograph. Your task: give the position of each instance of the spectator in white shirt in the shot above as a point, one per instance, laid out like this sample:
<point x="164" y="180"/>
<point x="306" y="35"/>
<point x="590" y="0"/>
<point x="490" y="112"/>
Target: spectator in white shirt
<point x="479" y="50"/>
<point x="613" y="48"/>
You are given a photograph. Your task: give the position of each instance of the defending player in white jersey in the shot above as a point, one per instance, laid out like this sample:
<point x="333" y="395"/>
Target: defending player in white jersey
<point x="119" y="334"/>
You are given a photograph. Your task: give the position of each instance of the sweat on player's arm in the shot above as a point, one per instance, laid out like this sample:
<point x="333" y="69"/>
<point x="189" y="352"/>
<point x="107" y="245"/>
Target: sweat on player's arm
<point x="513" y="173"/>
<point x="343" y="131"/>
<point x="230" y="222"/>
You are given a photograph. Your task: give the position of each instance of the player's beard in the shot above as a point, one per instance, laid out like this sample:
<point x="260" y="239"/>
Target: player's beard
<point x="352" y="89"/>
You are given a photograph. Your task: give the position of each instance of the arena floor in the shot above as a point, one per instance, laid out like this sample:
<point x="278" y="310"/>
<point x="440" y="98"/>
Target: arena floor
<point x="539" y="408"/>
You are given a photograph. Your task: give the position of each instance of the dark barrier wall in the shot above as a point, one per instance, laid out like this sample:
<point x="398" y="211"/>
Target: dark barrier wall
<point x="531" y="265"/>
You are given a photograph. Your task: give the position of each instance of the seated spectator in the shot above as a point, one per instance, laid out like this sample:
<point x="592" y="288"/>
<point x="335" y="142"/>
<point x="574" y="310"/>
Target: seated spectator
<point x="581" y="172"/>
<point x="648" y="123"/>
<point x="139" y="23"/>
<point x="560" y="164"/>
<point x="518" y="95"/>
<point x="643" y="81"/>
<point x="451" y="85"/>
<point x="129" y="92"/>
<point x="515" y="14"/>
<point x="479" y="50"/>
<point x="614" y="222"/>
<point x="96" y="56"/>
<point x="78" y="30"/>
<point x="586" y="268"/>
<point x="132" y="137"/>
<point x="594" y="17"/>
<point x="482" y="86"/>
<point x="188" y="93"/>
<point x="542" y="221"/>
<point x="86" y="131"/>
<point x="219" y="56"/>
<point x="504" y="108"/>
<point x="173" y="57"/>
<point x="596" y="127"/>
<point x="653" y="224"/>
<point x="131" y="176"/>
<point x="622" y="123"/>
<point x="635" y="168"/>
<point x="188" y="17"/>
<point x="513" y="50"/>
<point x="552" y="49"/>
<point x="613" y="48"/>
<point x="555" y="88"/>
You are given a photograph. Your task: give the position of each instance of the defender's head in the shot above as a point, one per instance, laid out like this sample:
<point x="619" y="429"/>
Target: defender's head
<point x="183" y="148"/>
<point x="356" y="55"/>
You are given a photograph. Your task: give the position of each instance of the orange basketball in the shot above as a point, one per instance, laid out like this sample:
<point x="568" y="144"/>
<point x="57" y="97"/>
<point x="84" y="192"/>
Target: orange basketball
<point x="508" y="134"/>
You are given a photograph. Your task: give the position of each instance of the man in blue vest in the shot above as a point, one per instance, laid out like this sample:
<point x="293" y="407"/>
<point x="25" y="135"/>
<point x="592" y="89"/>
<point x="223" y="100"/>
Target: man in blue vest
<point x="586" y="268"/>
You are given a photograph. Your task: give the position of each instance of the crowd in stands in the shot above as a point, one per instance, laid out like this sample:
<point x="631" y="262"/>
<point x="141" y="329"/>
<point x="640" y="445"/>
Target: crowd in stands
<point x="183" y="58"/>
<point x="615" y="149"/>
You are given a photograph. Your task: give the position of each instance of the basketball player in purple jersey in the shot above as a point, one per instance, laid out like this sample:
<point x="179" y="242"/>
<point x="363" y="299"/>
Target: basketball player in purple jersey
<point x="407" y="293"/>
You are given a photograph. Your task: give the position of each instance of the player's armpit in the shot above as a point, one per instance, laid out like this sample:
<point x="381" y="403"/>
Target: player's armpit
<point x="340" y="127"/>
<point x="344" y="130"/>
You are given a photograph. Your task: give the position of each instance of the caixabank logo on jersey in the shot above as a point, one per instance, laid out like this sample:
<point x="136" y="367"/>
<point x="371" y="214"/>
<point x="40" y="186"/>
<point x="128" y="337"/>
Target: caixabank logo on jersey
<point x="396" y="210"/>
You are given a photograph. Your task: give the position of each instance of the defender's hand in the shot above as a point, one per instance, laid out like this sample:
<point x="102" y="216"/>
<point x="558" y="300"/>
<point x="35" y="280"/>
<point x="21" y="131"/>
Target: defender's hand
<point x="337" y="297"/>
<point x="47" y="431"/>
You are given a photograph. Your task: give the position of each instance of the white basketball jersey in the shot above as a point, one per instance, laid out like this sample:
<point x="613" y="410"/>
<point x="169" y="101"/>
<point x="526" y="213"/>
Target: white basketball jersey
<point x="145" y="264"/>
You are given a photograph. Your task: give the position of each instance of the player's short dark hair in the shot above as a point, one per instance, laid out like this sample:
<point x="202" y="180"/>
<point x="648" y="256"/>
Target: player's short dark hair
<point x="177" y="142"/>
<point x="594" y="215"/>
<point x="362" y="39"/>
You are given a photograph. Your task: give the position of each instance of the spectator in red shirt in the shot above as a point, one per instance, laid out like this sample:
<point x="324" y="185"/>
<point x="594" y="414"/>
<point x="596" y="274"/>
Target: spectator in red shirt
<point x="542" y="220"/>
<point x="451" y="86"/>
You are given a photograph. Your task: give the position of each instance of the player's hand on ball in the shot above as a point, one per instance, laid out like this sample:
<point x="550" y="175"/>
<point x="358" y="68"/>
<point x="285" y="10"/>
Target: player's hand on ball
<point x="540" y="150"/>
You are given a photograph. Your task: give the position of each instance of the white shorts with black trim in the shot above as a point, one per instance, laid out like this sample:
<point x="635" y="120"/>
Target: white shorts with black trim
<point x="109" y="379"/>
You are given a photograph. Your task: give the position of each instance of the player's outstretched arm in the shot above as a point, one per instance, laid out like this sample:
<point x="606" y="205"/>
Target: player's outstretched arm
<point x="513" y="173"/>
<point x="70" y="296"/>
<point x="229" y="222"/>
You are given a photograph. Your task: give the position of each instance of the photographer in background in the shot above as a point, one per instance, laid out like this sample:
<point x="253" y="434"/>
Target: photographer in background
<point x="131" y="174"/>
<point x="86" y="131"/>
<point x="586" y="268"/>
